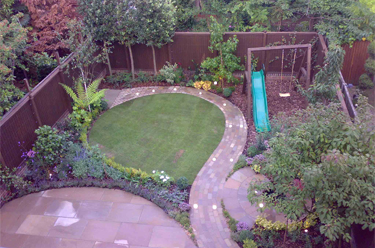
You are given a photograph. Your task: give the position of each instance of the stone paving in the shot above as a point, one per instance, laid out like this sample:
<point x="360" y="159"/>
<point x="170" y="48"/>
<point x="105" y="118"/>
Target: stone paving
<point x="87" y="218"/>
<point x="235" y="198"/>
<point x="208" y="188"/>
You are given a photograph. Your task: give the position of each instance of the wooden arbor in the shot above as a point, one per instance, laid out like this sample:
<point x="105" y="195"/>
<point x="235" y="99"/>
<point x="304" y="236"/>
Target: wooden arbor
<point x="247" y="82"/>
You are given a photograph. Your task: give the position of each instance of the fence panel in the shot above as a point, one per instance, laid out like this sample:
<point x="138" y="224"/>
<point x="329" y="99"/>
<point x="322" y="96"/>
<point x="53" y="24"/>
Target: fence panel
<point x="187" y="47"/>
<point x="355" y="58"/>
<point x="51" y="102"/>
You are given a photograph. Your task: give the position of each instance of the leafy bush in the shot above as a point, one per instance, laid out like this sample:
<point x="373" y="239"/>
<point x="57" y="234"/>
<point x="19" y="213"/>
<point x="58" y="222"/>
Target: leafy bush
<point x="240" y="163"/>
<point x="168" y="72"/>
<point x="227" y="62"/>
<point x="50" y="144"/>
<point x="10" y="180"/>
<point x="245" y="234"/>
<point x="242" y="226"/>
<point x="253" y="151"/>
<point x="159" y="78"/>
<point x="182" y="183"/>
<point x="40" y="65"/>
<point x="206" y="85"/>
<point x="9" y="96"/>
<point x="370" y="66"/>
<point x="227" y="92"/>
<point x="249" y="243"/>
<point x="219" y="90"/>
<point x="120" y="78"/>
<point x="183" y="218"/>
<point x="162" y="178"/>
<point x="85" y="161"/>
<point x="365" y="82"/>
<point x="184" y="207"/>
<point x="143" y="77"/>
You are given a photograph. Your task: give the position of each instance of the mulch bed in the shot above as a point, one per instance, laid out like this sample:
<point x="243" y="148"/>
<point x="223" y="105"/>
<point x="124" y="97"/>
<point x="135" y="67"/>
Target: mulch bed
<point x="276" y="104"/>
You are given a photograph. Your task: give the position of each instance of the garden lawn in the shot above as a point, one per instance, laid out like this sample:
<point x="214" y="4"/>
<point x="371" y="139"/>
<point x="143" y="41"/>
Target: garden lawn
<point x="175" y="133"/>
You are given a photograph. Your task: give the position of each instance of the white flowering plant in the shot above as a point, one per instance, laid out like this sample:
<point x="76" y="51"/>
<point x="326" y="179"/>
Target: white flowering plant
<point x="162" y="178"/>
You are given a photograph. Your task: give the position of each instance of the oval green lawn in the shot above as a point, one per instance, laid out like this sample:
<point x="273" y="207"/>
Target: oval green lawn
<point x="175" y="133"/>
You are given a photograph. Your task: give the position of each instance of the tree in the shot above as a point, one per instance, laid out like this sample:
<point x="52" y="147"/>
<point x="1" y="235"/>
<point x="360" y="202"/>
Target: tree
<point x="126" y="27"/>
<point x="227" y="62"/>
<point x="318" y="155"/>
<point x="86" y="53"/>
<point x="12" y="44"/>
<point x="49" y="20"/>
<point x="100" y="19"/>
<point x="156" y="20"/>
<point x="323" y="88"/>
<point x="6" y="9"/>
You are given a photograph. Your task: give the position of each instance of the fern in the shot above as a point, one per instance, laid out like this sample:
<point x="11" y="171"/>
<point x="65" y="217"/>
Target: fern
<point x="83" y="98"/>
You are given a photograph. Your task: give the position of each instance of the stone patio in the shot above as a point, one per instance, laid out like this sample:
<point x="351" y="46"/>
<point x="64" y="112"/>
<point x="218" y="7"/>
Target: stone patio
<point x="87" y="218"/>
<point x="235" y="199"/>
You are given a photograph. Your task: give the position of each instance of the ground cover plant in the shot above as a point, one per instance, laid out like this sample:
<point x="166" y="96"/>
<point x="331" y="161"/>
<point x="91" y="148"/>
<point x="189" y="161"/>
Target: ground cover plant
<point x="172" y="132"/>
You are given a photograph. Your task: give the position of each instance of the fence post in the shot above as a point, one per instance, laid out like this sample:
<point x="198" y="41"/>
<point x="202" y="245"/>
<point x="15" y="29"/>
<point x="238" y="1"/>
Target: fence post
<point x="264" y="52"/>
<point x="169" y="53"/>
<point x="31" y="97"/>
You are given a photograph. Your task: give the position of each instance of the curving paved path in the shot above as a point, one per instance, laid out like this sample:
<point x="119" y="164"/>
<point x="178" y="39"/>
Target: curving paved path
<point x="208" y="188"/>
<point x="236" y="201"/>
<point x="87" y="218"/>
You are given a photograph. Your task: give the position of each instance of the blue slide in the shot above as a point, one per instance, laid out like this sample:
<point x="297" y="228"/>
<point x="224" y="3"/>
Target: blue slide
<point x="260" y="107"/>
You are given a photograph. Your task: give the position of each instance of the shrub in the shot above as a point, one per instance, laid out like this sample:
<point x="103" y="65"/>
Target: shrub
<point x="227" y="92"/>
<point x="103" y="105"/>
<point x="10" y="180"/>
<point x="182" y="183"/>
<point x="9" y="96"/>
<point x="241" y="163"/>
<point x="371" y="49"/>
<point x="249" y="243"/>
<point x="219" y="90"/>
<point x="365" y="82"/>
<point x="253" y="151"/>
<point x="184" y="207"/>
<point x="190" y="83"/>
<point x="232" y="88"/>
<point x="242" y="226"/>
<point x="370" y="66"/>
<point x="50" y="144"/>
<point x="120" y="78"/>
<point x="168" y="72"/>
<point x="159" y="78"/>
<point x="143" y="77"/>
<point x="245" y="234"/>
<point x="183" y="218"/>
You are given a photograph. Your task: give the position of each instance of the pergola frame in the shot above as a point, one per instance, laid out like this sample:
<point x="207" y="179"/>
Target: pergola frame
<point x="257" y="49"/>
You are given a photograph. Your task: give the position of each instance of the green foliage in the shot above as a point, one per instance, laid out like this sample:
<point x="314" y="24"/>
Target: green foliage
<point x="143" y="77"/>
<point x="227" y="62"/>
<point x="80" y="119"/>
<point x="365" y="82"/>
<point x="219" y="90"/>
<point x="156" y="22"/>
<point x="370" y="66"/>
<point x="85" y="161"/>
<point x="232" y="223"/>
<point x="321" y="156"/>
<point x="371" y="49"/>
<point x="169" y="72"/>
<point x="241" y="163"/>
<point x="85" y="96"/>
<point x="86" y="52"/>
<point x="120" y="78"/>
<point x="12" y="44"/>
<point x="185" y="14"/>
<point x="249" y="243"/>
<point x="227" y="92"/>
<point x="10" y="180"/>
<point x="50" y="144"/>
<point x="6" y="9"/>
<point x="182" y="183"/>
<point x="323" y="88"/>
<point x="9" y="96"/>
<point x="253" y="151"/>
<point x="183" y="219"/>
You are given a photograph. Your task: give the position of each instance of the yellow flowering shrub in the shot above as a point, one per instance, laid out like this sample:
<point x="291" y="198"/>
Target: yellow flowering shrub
<point x="207" y="85"/>
<point x="198" y="85"/>
<point x="310" y="221"/>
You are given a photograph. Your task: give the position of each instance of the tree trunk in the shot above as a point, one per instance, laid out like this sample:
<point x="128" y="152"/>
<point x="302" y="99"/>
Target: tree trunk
<point x="286" y="230"/>
<point x="154" y="59"/>
<point x="109" y="63"/>
<point x="131" y="61"/>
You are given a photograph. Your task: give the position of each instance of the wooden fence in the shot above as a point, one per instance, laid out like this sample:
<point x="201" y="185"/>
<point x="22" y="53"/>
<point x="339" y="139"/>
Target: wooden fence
<point x="355" y="58"/>
<point x="43" y="105"/>
<point x="189" y="48"/>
